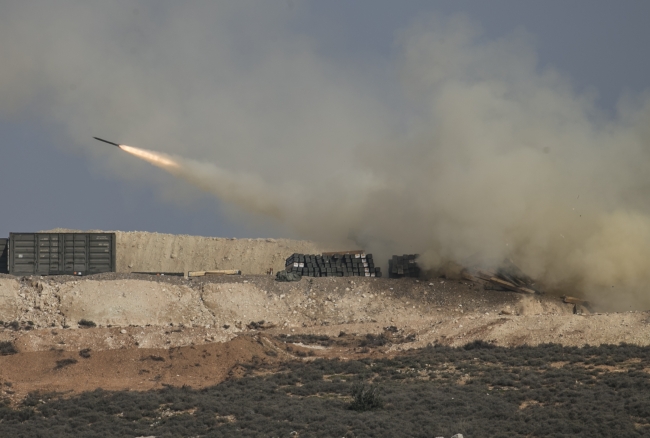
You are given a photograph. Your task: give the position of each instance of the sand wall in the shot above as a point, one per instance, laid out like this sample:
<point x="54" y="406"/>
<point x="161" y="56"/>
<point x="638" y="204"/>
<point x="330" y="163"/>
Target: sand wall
<point x="143" y="251"/>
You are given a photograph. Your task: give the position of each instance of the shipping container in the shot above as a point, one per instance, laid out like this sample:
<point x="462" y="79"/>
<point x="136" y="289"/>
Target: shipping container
<point x="61" y="253"/>
<point x="4" y="260"/>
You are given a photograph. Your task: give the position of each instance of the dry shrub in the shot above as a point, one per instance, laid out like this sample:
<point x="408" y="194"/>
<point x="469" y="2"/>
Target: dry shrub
<point x="84" y="323"/>
<point x="64" y="363"/>
<point x="365" y="398"/>
<point x="7" y="348"/>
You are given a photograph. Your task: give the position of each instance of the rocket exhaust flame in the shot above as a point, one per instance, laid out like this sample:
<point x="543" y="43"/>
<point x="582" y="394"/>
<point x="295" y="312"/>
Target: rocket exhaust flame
<point x="246" y="190"/>
<point x="156" y="158"/>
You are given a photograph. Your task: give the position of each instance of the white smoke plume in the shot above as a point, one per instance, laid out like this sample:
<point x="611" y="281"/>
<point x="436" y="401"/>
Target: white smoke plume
<point x="475" y="154"/>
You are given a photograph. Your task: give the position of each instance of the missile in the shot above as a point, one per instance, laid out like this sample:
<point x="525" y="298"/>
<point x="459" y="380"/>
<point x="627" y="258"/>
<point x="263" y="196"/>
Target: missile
<point x="106" y="141"/>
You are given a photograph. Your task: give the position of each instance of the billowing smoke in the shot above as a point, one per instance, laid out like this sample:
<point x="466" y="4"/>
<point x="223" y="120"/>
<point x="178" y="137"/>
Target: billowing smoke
<point x="467" y="150"/>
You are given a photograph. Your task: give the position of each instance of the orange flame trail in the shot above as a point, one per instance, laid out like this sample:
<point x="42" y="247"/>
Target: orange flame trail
<point x="156" y="158"/>
<point x="246" y="190"/>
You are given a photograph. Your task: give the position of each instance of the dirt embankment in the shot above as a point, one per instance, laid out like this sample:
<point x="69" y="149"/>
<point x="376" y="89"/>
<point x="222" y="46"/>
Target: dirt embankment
<point x="136" y="317"/>
<point x="155" y="333"/>
<point x="139" y="251"/>
<point x="160" y="331"/>
<point x="135" y="310"/>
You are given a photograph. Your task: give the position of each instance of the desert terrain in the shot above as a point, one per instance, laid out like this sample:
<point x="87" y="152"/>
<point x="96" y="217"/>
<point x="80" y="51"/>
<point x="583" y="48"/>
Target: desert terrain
<point x="125" y="331"/>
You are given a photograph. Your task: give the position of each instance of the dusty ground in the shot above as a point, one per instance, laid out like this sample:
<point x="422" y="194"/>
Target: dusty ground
<point x="160" y="330"/>
<point x="198" y="331"/>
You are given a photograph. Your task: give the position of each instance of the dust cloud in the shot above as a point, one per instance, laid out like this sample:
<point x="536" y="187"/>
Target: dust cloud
<point x="475" y="154"/>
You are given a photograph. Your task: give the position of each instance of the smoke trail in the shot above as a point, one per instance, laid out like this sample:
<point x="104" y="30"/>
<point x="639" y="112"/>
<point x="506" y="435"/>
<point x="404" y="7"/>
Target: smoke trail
<point x="245" y="190"/>
<point x="474" y="154"/>
<point x="500" y="161"/>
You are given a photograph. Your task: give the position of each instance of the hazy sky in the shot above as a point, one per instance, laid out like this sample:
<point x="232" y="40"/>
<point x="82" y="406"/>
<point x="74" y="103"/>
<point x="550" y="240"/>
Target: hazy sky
<point x="66" y="71"/>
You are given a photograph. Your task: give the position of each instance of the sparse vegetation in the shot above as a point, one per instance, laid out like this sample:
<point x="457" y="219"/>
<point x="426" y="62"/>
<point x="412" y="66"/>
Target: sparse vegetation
<point x="365" y="397"/>
<point x="375" y="340"/>
<point x="84" y="323"/>
<point x="64" y="363"/>
<point x="7" y="348"/>
<point x="478" y="390"/>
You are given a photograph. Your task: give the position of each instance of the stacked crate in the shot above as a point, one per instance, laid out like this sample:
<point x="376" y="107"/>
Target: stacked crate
<point x="333" y="265"/>
<point x="403" y="266"/>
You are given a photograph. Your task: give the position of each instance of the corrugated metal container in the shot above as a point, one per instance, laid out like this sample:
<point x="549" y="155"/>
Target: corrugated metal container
<point x="4" y="249"/>
<point x="61" y="253"/>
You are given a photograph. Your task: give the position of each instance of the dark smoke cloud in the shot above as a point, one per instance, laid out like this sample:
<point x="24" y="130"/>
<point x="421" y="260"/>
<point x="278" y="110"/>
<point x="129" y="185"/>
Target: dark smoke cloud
<point x="484" y="155"/>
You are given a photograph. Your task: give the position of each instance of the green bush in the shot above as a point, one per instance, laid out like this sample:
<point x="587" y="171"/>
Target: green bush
<point x="365" y="397"/>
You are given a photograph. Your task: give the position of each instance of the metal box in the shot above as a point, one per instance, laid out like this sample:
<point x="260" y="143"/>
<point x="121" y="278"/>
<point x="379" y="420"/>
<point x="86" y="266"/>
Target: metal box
<point x="4" y="261"/>
<point x="61" y="253"/>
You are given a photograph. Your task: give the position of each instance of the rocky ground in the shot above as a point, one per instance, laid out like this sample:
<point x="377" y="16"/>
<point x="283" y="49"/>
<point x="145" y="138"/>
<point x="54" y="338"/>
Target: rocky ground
<point x="203" y="327"/>
<point x="155" y="333"/>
